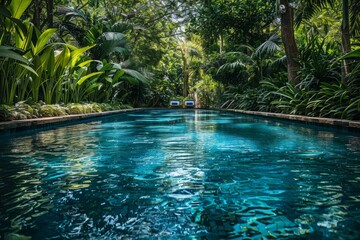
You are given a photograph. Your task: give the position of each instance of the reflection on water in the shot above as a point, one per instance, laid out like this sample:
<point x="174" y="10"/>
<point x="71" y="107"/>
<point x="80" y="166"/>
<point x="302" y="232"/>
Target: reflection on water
<point x="180" y="174"/>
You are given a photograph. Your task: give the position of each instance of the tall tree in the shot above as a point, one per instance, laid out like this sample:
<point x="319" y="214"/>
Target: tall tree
<point x="190" y="52"/>
<point x="349" y="25"/>
<point x="345" y="34"/>
<point x="50" y="13"/>
<point x="288" y="38"/>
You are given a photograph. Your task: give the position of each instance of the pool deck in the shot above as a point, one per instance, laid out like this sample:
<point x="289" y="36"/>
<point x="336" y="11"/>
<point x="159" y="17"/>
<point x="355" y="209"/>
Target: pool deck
<point x="34" y="122"/>
<point x="28" y="123"/>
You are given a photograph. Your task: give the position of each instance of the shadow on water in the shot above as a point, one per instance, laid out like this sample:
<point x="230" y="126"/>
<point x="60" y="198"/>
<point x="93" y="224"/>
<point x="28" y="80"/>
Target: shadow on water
<point x="180" y="174"/>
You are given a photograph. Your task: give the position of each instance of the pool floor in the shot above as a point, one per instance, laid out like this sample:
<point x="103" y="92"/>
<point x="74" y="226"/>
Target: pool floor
<point x="180" y="174"/>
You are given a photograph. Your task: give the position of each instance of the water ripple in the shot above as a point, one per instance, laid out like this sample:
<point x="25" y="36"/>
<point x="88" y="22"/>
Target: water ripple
<point x="180" y="174"/>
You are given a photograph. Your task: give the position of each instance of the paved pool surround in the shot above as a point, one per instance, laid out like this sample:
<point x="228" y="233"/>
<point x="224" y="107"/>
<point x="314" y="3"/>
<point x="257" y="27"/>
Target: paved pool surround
<point x="351" y="124"/>
<point x="28" y="123"/>
<point x="35" y="122"/>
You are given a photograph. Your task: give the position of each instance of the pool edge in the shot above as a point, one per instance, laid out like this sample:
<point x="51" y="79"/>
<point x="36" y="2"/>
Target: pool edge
<point x="350" y="124"/>
<point x="34" y="122"/>
<point x="27" y="123"/>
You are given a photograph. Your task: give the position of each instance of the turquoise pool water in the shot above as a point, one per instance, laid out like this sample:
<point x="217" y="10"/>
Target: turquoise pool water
<point x="180" y="174"/>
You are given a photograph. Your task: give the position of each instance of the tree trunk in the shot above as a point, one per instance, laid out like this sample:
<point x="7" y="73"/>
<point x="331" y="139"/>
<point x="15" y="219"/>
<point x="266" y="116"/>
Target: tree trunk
<point x="345" y="36"/>
<point x="185" y="74"/>
<point x="50" y="13"/>
<point x="288" y="38"/>
<point x="221" y="43"/>
<point x="37" y="11"/>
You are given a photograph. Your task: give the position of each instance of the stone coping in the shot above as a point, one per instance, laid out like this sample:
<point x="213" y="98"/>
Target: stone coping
<point x="305" y="119"/>
<point x="27" y="123"/>
<point x="34" y="122"/>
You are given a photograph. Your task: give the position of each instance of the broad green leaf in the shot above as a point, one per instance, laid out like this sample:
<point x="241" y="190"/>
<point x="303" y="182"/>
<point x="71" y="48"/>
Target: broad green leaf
<point x="65" y="57"/>
<point x="42" y="60"/>
<point x="18" y="7"/>
<point x="81" y="80"/>
<point x="78" y="53"/>
<point x="7" y="52"/>
<point x="136" y="75"/>
<point x="23" y="38"/>
<point x="43" y="40"/>
<point x="20" y="27"/>
<point x="353" y="54"/>
<point x="118" y="75"/>
<point x="85" y="63"/>
<point x="30" y="69"/>
<point x="51" y="63"/>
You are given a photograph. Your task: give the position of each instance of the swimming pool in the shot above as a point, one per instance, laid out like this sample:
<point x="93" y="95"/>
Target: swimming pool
<point x="180" y="174"/>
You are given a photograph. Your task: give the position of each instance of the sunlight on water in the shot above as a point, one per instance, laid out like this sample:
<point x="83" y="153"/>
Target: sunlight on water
<point x="180" y="174"/>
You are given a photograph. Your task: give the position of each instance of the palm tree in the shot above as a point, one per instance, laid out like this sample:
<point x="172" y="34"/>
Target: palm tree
<point x="253" y="62"/>
<point x="350" y="20"/>
<point x="189" y="51"/>
<point x="246" y="63"/>
<point x="307" y="9"/>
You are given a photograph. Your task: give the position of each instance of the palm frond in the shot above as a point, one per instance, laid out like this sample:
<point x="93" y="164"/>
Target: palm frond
<point x="70" y="13"/>
<point x="112" y="42"/>
<point x="355" y="17"/>
<point x="310" y="8"/>
<point x="269" y="47"/>
<point x="237" y="65"/>
<point x="136" y="75"/>
<point x="237" y="56"/>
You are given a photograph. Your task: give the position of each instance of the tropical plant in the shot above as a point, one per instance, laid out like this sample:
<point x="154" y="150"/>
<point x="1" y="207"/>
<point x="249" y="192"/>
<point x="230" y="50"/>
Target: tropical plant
<point x="191" y="56"/>
<point x="318" y="63"/>
<point x="14" y="66"/>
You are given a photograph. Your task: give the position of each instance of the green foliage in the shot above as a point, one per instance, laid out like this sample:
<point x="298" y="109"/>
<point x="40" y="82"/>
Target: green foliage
<point x="351" y="55"/>
<point x="207" y="92"/>
<point x="329" y="98"/>
<point x="36" y="67"/>
<point x="22" y="110"/>
<point x="14" y="66"/>
<point x="318" y="63"/>
<point x="127" y="52"/>
<point x="228" y="23"/>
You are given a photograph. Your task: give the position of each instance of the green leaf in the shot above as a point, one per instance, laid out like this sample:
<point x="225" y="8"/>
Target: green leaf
<point x="81" y="80"/>
<point x="43" y="40"/>
<point x="353" y="54"/>
<point x="136" y="75"/>
<point x="30" y="69"/>
<point x="118" y="75"/>
<point x="78" y="52"/>
<point x="7" y="52"/>
<point x="20" y="27"/>
<point x="18" y="7"/>
<point x="85" y="63"/>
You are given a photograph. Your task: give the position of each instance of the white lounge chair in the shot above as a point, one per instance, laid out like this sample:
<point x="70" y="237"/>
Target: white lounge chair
<point x="174" y="103"/>
<point x="189" y="103"/>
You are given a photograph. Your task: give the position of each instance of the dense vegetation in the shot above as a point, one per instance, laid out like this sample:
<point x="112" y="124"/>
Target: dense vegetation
<point x="298" y="57"/>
